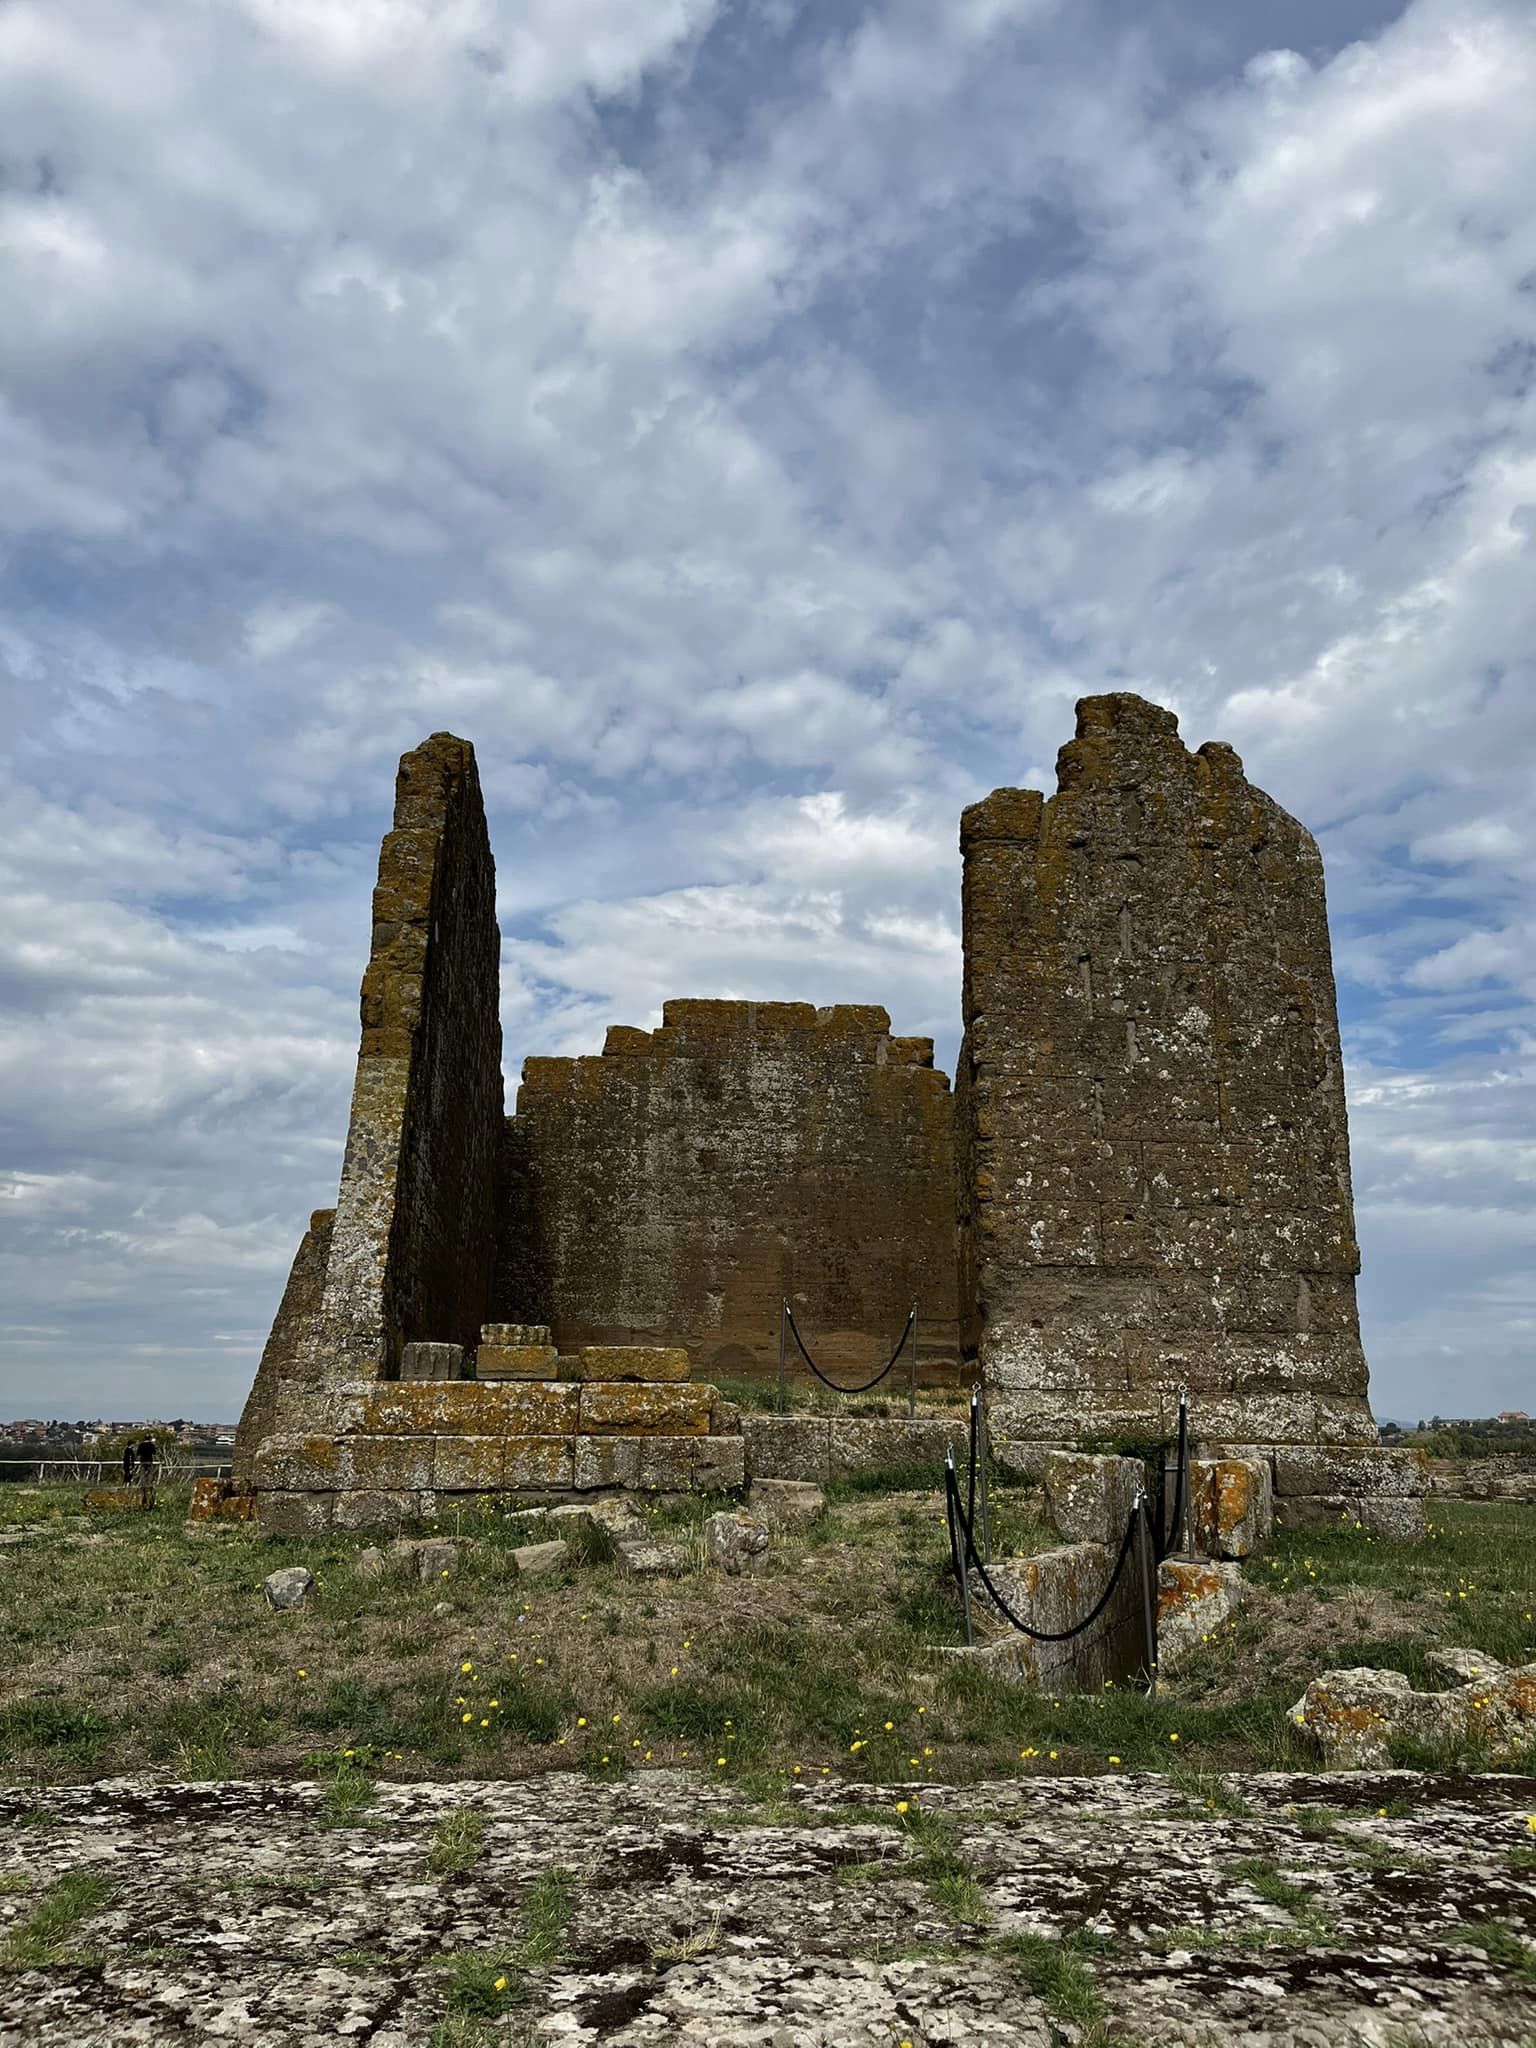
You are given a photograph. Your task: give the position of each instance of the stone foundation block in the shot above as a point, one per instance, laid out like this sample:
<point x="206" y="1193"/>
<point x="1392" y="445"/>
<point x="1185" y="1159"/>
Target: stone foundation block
<point x="516" y="1362"/>
<point x="104" y="1500"/>
<point x="1089" y="1498"/>
<point x="1395" y="1519"/>
<point x="472" y="1409"/>
<point x="885" y="1443"/>
<point x="641" y="1464"/>
<point x="294" y="1514"/>
<point x="1055" y="1591"/>
<point x="540" y="1461"/>
<point x="634" y="1362"/>
<point x="321" y="1411"/>
<point x="1194" y="1600"/>
<point x="1355" y="1716"/>
<point x="468" y="1464"/>
<point x="719" y="1464"/>
<point x="373" y="1508"/>
<point x="787" y="1446"/>
<point x="1233" y="1505"/>
<point x="432" y="1362"/>
<point x="302" y="1464"/>
<point x="514" y="1335"/>
<point x="608" y="1408"/>
<point x="737" y="1544"/>
<point x="1355" y="1470"/>
<point x="391" y="1464"/>
<point x="786" y="1504"/>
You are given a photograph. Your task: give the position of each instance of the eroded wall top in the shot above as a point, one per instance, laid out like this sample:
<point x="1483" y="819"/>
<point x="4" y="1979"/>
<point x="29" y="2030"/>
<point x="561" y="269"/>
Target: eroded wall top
<point x="1155" y="1156"/>
<point x="675" y="1186"/>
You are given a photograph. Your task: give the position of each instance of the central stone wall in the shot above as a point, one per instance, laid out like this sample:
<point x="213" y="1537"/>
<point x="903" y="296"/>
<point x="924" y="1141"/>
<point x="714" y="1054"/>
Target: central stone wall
<point x="1155" y="1157"/>
<point x="671" y="1190"/>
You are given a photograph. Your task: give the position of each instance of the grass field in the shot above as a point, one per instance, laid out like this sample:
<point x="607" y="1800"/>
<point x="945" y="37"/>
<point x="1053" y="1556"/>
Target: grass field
<point x="130" y="1643"/>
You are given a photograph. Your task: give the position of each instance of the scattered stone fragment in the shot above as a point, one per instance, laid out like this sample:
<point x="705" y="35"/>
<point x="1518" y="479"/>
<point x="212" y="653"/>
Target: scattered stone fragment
<point x="1088" y="1498"/>
<point x="1354" y="1716"/>
<point x="1194" y="1598"/>
<point x="534" y="1560"/>
<point x="432" y="1362"/>
<point x="786" y="1504"/>
<point x="648" y="1560"/>
<point x="1233" y="1505"/>
<point x="736" y="1543"/>
<point x="370" y="1563"/>
<point x="288" y="1587"/>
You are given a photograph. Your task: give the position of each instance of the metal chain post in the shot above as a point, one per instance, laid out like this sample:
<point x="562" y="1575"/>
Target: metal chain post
<point x="912" y="1370"/>
<point x="783" y="1305"/>
<point x="1148" y="1610"/>
<point x="1185" y="1475"/>
<point x="984" y="1474"/>
<point x="957" y="1545"/>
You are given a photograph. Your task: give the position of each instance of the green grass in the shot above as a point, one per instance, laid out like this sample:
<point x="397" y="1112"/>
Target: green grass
<point x="456" y="1842"/>
<point x="1500" y="1943"/>
<point x="43" y="1937"/>
<point x="803" y="1667"/>
<point x="1061" y="1976"/>
<point x="483" y="1985"/>
<point x="1278" y="1890"/>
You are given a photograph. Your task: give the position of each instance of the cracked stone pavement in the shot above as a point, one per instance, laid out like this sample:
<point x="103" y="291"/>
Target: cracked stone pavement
<point x="237" y="1915"/>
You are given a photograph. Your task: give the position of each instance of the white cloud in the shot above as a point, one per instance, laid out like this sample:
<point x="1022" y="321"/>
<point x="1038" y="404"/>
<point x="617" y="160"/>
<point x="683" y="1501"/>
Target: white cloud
<point x="753" y="431"/>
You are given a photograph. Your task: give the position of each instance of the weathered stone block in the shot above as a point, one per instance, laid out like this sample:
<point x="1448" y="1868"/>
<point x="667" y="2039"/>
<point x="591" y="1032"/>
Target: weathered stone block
<point x="1355" y="1716"/>
<point x="1233" y="1505"/>
<point x="432" y="1362"/>
<point x="516" y="1362"/>
<point x="468" y="1464"/>
<point x="1359" y="1469"/>
<point x="294" y="1514"/>
<point x="656" y="1464"/>
<point x="719" y="1464"/>
<point x="787" y="1446"/>
<point x="103" y="1500"/>
<point x="320" y="1411"/>
<point x="630" y="1362"/>
<point x="886" y="1443"/>
<point x="1395" y="1519"/>
<point x="468" y="1408"/>
<point x="630" y="1410"/>
<point x="374" y="1508"/>
<point x="537" y="1461"/>
<point x="736" y="1544"/>
<point x="537" y="1560"/>
<point x="1194" y="1600"/>
<point x="302" y="1464"/>
<point x="1053" y="1592"/>
<point x="391" y="1464"/>
<point x="1089" y="1498"/>
<point x="221" y="1500"/>
<point x="514" y="1336"/>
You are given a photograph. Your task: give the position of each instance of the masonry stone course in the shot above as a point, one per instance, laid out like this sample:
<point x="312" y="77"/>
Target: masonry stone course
<point x="1140" y="1182"/>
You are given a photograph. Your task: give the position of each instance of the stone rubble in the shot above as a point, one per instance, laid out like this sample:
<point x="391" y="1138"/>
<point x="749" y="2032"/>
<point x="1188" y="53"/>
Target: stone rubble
<point x="1355" y="1716"/>
<point x="287" y="1588"/>
<point x="698" y="1920"/>
<point x="736" y="1543"/>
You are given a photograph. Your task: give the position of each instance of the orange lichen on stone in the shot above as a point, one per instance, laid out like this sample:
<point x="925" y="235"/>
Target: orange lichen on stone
<point x="644" y="1362"/>
<point x="624" y="1409"/>
<point x="516" y="1362"/>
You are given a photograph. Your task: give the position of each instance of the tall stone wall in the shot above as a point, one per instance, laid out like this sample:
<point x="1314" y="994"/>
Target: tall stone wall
<point x="1154" y="1151"/>
<point x="675" y="1187"/>
<point x="412" y="1247"/>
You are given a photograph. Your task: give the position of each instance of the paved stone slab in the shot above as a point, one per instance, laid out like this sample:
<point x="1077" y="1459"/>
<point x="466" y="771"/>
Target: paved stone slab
<point x="236" y="1915"/>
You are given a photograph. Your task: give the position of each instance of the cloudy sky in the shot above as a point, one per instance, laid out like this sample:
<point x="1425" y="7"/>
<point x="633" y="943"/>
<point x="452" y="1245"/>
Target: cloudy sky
<point x="752" y="423"/>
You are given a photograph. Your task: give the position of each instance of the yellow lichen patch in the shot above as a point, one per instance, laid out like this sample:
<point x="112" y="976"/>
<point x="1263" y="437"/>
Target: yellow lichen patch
<point x="609" y="1408"/>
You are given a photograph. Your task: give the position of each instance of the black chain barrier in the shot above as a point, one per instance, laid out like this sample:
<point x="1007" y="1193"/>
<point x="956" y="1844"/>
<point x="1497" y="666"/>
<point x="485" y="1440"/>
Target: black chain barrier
<point x="973" y="1557"/>
<point x="1167" y="1537"/>
<point x="865" y="1385"/>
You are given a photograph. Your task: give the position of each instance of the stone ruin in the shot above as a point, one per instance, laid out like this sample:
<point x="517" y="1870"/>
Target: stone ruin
<point x="1140" y="1182"/>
